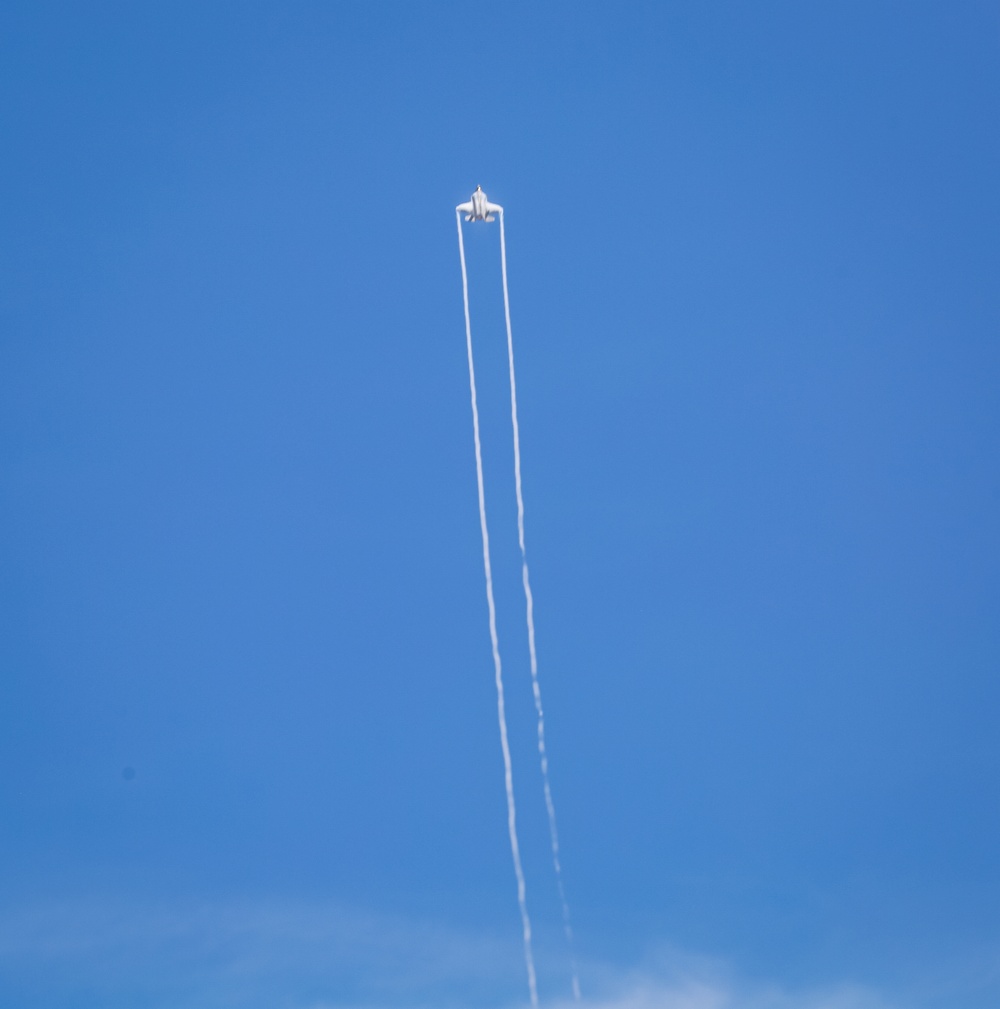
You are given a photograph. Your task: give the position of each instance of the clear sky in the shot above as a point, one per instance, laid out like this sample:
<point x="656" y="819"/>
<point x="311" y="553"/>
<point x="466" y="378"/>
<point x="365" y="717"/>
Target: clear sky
<point x="248" y="743"/>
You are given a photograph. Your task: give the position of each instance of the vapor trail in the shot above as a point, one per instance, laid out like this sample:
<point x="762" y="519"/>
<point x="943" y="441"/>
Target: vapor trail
<point x="530" y="610"/>
<point x="501" y="714"/>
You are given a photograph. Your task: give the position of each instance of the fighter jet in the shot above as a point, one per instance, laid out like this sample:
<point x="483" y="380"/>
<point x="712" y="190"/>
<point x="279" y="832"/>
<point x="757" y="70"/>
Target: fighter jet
<point x="479" y="208"/>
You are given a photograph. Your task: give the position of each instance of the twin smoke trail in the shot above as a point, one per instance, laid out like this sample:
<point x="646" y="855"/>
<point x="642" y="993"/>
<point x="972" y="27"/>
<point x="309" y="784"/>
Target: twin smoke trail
<point x="529" y="609"/>
<point x="501" y="715"/>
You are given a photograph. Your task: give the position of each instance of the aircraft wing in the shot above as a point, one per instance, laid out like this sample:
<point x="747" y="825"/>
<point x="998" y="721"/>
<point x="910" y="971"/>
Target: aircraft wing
<point x="494" y="208"/>
<point x="464" y="208"/>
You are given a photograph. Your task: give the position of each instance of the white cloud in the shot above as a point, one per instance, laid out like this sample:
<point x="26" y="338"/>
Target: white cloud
<point x="676" y="980"/>
<point x="283" y="955"/>
<point x="699" y="994"/>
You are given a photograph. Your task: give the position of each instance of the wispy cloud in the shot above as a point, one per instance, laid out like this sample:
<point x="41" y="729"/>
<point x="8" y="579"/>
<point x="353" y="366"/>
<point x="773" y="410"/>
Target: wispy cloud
<point x="274" y="954"/>
<point x="674" y="979"/>
<point x="696" y="993"/>
<point x="282" y="955"/>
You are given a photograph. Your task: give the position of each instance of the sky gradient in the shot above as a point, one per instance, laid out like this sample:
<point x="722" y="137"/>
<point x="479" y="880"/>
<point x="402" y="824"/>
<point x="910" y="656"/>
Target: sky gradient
<point x="248" y="734"/>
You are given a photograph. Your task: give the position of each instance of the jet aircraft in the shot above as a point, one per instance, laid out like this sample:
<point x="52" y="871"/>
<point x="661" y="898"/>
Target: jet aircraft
<point x="479" y="208"/>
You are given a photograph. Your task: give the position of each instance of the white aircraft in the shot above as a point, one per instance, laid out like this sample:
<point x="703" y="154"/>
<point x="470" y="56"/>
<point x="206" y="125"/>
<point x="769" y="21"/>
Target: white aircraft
<point x="479" y="208"/>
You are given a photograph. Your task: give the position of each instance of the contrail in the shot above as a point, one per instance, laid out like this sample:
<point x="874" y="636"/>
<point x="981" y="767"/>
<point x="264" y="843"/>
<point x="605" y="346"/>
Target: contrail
<point x="501" y="714"/>
<point x="530" y="609"/>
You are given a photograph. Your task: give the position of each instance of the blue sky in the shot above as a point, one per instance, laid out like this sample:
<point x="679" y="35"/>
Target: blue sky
<point x="753" y="267"/>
